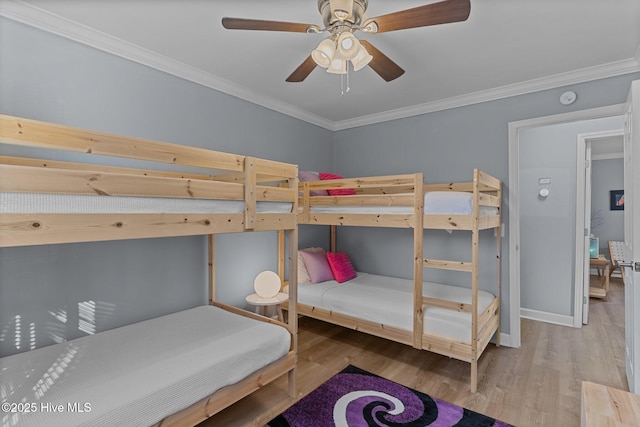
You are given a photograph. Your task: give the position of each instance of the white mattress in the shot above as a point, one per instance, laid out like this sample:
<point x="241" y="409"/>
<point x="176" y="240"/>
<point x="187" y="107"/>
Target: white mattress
<point x="141" y="373"/>
<point x="435" y="202"/>
<point x="90" y="204"/>
<point x="389" y="300"/>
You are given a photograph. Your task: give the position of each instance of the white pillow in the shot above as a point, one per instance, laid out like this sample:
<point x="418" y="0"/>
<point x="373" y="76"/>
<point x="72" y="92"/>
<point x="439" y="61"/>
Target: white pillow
<point x="303" y="274"/>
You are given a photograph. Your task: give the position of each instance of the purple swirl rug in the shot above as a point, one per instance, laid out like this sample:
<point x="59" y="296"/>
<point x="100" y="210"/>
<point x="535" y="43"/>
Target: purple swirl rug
<point x="355" y="398"/>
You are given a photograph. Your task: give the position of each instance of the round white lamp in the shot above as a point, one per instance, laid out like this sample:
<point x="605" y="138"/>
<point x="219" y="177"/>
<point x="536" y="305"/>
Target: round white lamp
<point x="267" y="284"/>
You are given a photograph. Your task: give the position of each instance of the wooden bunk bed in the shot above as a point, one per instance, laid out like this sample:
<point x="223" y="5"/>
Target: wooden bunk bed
<point x="237" y="194"/>
<point x="403" y="201"/>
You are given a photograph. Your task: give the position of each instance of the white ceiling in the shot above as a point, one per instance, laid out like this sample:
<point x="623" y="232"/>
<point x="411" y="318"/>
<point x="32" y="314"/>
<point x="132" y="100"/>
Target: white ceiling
<point x="506" y="47"/>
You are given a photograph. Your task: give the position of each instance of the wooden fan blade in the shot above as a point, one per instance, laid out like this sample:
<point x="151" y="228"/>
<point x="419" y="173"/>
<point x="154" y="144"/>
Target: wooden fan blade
<point x="257" y="24"/>
<point x="302" y="71"/>
<point x="381" y="64"/>
<point x="443" y="12"/>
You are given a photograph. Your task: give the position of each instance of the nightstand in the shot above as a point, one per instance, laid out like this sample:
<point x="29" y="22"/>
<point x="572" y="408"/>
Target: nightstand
<point x="263" y="303"/>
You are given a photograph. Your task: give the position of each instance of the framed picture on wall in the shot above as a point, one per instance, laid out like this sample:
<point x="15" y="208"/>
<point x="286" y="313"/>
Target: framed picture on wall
<point x="616" y="201"/>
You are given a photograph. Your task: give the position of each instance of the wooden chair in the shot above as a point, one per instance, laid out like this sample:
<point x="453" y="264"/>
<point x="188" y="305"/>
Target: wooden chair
<point x="616" y="253"/>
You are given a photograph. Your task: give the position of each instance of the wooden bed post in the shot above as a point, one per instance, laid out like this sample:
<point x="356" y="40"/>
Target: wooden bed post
<point x="306" y="211"/>
<point x="292" y="316"/>
<point x="212" y="270"/>
<point x="499" y="261"/>
<point x="418" y="260"/>
<point x="474" y="281"/>
<point x="250" y="200"/>
<point x="281" y="256"/>
<point x="333" y="244"/>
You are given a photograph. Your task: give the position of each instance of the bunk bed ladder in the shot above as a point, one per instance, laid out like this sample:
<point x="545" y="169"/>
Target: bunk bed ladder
<point x="470" y="267"/>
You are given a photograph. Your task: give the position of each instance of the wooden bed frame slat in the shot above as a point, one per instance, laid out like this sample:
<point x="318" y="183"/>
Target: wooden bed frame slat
<point x="450" y="305"/>
<point x="448" y="265"/>
<point x="372" y="328"/>
<point x="402" y="199"/>
<point x="33" y="133"/>
<point x="25" y="161"/>
<point x="39" y="229"/>
<point x="48" y="180"/>
<point x="364" y="220"/>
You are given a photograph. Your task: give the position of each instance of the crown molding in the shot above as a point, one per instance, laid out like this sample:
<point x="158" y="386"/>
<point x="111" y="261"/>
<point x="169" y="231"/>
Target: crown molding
<point x="579" y="76"/>
<point x="55" y="24"/>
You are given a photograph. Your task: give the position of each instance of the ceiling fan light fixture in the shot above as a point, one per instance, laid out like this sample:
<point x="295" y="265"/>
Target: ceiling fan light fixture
<point x="370" y="27"/>
<point x="341" y="9"/>
<point x="338" y="65"/>
<point x="324" y="53"/>
<point x="361" y="59"/>
<point x="348" y="45"/>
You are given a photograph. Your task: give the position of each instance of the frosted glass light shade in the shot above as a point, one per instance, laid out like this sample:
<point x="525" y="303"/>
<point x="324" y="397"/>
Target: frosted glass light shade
<point x="338" y="65"/>
<point x="361" y="59"/>
<point x="348" y="45"/>
<point x="324" y="53"/>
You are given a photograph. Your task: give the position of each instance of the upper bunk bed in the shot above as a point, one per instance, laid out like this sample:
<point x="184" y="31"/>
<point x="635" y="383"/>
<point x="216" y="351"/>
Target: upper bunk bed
<point x="182" y="367"/>
<point x="405" y="201"/>
<point x="67" y="201"/>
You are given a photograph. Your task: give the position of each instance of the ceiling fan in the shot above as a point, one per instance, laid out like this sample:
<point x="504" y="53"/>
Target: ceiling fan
<point x="342" y="18"/>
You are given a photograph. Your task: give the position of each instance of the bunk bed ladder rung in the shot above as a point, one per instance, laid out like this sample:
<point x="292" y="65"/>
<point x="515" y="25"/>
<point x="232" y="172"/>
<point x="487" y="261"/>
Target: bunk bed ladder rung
<point x="448" y="265"/>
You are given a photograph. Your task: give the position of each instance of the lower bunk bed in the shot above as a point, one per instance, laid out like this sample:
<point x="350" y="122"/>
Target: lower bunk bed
<point x="383" y="306"/>
<point x="384" y="303"/>
<point x="146" y="373"/>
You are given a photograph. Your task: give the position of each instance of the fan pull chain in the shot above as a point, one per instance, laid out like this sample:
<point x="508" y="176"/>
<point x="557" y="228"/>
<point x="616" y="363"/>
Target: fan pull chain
<point x="342" y="83"/>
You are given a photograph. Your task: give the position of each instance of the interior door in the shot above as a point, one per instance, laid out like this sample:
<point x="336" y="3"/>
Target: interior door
<point x="587" y="231"/>
<point x="632" y="236"/>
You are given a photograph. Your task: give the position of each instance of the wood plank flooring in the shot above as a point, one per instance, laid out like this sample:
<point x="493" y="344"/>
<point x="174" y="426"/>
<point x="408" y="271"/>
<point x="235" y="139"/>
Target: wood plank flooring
<point x="535" y="385"/>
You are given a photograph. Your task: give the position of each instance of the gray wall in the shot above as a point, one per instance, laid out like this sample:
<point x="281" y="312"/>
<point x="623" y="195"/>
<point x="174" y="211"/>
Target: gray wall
<point x="606" y="175"/>
<point x="548" y="226"/>
<point x="49" y="78"/>
<point x="43" y="290"/>
<point x="446" y="146"/>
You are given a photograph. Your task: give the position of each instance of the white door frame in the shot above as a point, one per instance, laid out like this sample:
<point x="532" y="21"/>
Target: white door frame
<point x="514" y="201"/>
<point x="581" y="209"/>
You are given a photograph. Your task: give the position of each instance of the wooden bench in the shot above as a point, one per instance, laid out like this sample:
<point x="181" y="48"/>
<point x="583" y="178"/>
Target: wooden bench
<point x="606" y="406"/>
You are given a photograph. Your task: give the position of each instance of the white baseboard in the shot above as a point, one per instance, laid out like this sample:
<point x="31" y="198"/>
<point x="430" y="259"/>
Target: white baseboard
<point x="505" y="340"/>
<point x="543" y="316"/>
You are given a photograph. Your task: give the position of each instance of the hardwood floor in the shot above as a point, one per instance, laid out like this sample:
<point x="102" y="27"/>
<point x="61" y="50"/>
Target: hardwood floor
<point x="535" y="385"/>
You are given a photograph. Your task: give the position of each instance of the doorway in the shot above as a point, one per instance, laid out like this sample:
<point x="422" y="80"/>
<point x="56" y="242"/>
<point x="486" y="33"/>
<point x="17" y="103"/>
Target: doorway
<point x="515" y="131"/>
<point x="599" y="171"/>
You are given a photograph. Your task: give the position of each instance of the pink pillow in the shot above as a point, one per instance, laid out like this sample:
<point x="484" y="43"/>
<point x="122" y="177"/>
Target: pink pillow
<point x="338" y="191"/>
<point x="303" y="274"/>
<point x="317" y="266"/>
<point x="312" y="176"/>
<point x="341" y="266"/>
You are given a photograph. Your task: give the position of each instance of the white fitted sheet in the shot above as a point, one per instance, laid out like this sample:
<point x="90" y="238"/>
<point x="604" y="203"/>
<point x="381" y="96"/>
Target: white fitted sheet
<point x="435" y="202"/>
<point x="89" y="204"/>
<point x="389" y="301"/>
<point x="140" y="373"/>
